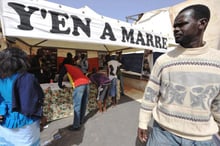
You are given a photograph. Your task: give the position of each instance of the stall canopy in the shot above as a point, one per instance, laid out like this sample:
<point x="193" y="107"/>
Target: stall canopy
<point x="40" y="23"/>
<point x="159" y="22"/>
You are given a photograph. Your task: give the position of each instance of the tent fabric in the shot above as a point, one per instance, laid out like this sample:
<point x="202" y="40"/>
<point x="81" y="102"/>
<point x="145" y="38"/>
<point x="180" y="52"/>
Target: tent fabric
<point x="161" y="21"/>
<point x="157" y="21"/>
<point x="45" y="24"/>
<point x="212" y="34"/>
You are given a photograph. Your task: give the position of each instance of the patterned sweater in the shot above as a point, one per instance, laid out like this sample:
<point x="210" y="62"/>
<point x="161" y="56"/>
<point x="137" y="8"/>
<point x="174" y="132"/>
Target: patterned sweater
<point x="183" y="93"/>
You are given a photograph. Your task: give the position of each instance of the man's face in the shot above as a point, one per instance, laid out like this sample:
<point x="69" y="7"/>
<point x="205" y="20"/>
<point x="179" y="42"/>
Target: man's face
<point x="186" y="29"/>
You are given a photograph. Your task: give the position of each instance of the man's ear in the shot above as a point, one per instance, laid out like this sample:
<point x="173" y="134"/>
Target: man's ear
<point x="203" y="22"/>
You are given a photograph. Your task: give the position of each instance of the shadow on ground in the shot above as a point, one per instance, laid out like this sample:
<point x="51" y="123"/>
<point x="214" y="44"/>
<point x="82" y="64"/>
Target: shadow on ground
<point x="64" y="137"/>
<point x="69" y="137"/>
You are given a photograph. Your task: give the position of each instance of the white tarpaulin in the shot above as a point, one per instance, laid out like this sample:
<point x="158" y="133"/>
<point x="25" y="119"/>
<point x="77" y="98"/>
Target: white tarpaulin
<point x="157" y="21"/>
<point x="42" y="23"/>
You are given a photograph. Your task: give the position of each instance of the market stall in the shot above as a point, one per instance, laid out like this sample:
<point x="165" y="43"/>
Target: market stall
<point x="34" y="24"/>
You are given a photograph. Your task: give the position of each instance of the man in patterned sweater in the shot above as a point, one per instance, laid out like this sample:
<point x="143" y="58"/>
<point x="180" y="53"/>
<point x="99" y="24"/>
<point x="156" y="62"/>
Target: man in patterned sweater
<point x="183" y="92"/>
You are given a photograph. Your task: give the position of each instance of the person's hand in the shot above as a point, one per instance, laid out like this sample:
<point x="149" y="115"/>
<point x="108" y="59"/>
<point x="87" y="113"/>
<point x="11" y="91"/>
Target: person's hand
<point x="142" y="135"/>
<point x="1" y="118"/>
<point x="43" y="122"/>
<point x="62" y="87"/>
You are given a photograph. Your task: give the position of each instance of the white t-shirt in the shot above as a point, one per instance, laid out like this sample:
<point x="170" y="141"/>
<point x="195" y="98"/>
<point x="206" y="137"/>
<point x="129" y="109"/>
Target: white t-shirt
<point x="112" y="67"/>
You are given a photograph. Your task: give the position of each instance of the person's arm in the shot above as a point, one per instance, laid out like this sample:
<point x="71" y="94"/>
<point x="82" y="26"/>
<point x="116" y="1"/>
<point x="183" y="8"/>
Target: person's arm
<point x="107" y="71"/>
<point x="61" y="75"/>
<point x="149" y="101"/>
<point x="86" y="65"/>
<point x="119" y="64"/>
<point x="215" y="108"/>
<point x="1" y="114"/>
<point x="93" y="79"/>
<point x="43" y="122"/>
<point x="27" y="96"/>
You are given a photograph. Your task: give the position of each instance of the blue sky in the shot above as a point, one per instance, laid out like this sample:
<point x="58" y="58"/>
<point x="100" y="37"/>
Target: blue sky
<point x="119" y="9"/>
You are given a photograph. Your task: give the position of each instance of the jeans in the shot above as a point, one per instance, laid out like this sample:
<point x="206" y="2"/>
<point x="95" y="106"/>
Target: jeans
<point x="121" y="84"/>
<point x="113" y="88"/>
<point x="80" y="99"/>
<point x="161" y="137"/>
<point x="103" y="92"/>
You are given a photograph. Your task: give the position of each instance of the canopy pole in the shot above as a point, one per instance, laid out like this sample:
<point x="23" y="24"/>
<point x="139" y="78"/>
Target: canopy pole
<point x="106" y="48"/>
<point x="40" y="42"/>
<point x="3" y="42"/>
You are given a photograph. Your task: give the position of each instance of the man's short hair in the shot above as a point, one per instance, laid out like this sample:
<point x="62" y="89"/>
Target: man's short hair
<point x="200" y="11"/>
<point x="69" y="55"/>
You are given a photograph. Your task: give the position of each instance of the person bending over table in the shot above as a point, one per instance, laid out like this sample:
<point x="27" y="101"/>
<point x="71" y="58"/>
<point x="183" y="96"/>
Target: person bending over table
<point x="80" y="83"/>
<point x="102" y="82"/>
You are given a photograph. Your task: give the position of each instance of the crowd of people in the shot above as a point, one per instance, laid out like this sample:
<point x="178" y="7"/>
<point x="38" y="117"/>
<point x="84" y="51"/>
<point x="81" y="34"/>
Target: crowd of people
<point x="80" y="80"/>
<point x="22" y="98"/>
<point x="181" y="96"/>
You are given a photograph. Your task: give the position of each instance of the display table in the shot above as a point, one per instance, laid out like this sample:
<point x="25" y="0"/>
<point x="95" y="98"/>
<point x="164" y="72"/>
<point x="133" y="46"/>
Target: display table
<point x="92" y="104"/>
<point x="58" y="102"/>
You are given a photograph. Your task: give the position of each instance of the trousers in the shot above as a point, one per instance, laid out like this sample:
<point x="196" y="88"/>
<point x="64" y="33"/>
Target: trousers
<point x="160" y="137"/>
<point x="80" y="100"/>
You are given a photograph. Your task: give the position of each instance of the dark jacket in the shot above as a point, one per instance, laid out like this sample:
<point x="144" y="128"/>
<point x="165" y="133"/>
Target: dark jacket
<point x="27" y="96"/>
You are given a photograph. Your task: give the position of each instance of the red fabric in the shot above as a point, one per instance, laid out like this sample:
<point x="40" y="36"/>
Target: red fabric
<point x="77" y="75"/>
<point x="93" y="62"/>
<point x="59" y="61"/>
